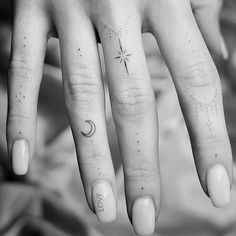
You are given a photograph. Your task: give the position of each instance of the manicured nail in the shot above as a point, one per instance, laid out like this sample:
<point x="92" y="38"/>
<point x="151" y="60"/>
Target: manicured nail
<point x="218" y="185"/>
<point x="224" y="49"/>
<point x="104" y="202"/>
<point x="20" y="157"/>
<point x="143" y="216"/>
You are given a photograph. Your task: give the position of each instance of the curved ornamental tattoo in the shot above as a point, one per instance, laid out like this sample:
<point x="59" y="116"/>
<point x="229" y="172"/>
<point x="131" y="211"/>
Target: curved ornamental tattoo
<point x="115" y="32"/>
<point x="91" y="131"/>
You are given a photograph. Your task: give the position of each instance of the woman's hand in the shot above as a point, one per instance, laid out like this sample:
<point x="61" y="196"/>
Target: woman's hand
<point x="118" y="24"/>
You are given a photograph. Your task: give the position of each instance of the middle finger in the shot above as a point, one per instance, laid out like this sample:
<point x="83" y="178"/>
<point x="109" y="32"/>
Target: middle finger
<point x="134" y="111"/>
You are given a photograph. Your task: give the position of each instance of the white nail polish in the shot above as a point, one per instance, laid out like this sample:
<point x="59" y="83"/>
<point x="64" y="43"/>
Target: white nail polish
<point x="20" y="157"/>
<point x="224" y="49"/>
<point x="218" y="185"/>
<point x="104" y="202"/>
<point x="143" y="216"/>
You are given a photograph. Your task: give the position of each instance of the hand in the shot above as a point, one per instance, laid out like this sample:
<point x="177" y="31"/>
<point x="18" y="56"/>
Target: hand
<point x="118" y="25"/>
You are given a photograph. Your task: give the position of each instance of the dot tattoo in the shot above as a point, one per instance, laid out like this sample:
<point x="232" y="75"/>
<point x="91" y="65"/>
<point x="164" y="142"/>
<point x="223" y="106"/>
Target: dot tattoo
<point x="20" y="95"/>
<point x="207" y="108"/>
<point x="91" y="131"/>
<point x="113" y="32"/>
<point x="123" y="56"/>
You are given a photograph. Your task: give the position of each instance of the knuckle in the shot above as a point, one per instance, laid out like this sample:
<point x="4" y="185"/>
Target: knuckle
<point x="92" y="161"/>
<point x="142" y="170"/>
<point x="19" y="118"/>
<point x="133" y="100"/>
<point x="21" y="68"/>
<point x="199" y="74"/>
<point x="83" y="86"/>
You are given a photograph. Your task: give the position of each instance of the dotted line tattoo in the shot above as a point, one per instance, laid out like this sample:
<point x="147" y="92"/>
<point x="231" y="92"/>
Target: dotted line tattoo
<point x="207" y="108"/>
<point x="116" y="33"/>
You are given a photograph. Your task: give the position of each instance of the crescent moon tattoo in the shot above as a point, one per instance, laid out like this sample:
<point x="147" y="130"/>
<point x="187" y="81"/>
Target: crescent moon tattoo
<point x="92" y="129"/>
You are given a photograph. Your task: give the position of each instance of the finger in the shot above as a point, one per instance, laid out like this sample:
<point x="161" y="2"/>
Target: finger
<point x="198" y="86"/>
<point x="207" y="16"/>
<point x="135" y="115"/>
<point x="25" y="72"/>
<point x="84" y="98"/>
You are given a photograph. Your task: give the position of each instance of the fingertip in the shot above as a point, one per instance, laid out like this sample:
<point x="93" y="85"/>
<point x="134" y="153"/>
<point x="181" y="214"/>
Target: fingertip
<point x="218" y="185"/>
<point x="143" y="216"/>
<point x="20" y="157"/>
<point x="104" y="201"/>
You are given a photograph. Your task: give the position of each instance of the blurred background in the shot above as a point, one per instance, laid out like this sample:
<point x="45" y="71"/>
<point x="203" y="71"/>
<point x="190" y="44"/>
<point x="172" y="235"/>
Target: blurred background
<point x="50" y="201"/>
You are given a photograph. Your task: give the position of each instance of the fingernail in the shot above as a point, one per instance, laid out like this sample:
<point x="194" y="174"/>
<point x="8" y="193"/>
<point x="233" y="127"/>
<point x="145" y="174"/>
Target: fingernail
<point x="143" y="216"/>
<point x="218" y="186"/>
<point x="20" y="157"/>
<point x="104" y="202"/>
<point x="224" y="49"/>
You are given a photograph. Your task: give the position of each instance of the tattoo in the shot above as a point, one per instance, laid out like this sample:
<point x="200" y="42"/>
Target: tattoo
<point x="92" y="129"/>
<point x="100" y="205"/>
<point x="79" y="50"/>
<point x="19" y="96"/>
<point x="116" y="33"/>
<point x="208" y="107"/>
<point x="123" y="56"/>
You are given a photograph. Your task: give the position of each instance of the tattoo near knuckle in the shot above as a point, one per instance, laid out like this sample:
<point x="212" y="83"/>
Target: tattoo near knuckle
<point x="133" y="101"/>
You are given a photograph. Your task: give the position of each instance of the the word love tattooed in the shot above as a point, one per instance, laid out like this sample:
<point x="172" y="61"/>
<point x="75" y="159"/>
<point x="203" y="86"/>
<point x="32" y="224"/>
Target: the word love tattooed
<point x="100" y="205"/>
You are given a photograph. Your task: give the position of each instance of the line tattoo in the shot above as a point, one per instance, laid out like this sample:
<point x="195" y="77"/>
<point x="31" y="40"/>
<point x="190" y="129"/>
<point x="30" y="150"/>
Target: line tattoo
<point x="123" y="56"/>
<point x="91" y="131"/>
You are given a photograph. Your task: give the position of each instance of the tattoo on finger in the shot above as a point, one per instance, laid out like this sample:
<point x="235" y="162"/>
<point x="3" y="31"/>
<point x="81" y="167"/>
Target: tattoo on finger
<point x="92" y="129"/>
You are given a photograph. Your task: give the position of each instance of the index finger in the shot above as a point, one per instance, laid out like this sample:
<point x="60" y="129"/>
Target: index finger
<point x="198" y="86"/>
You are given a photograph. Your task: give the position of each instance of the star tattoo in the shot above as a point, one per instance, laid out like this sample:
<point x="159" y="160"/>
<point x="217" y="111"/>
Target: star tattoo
<point x="123" y="56"/>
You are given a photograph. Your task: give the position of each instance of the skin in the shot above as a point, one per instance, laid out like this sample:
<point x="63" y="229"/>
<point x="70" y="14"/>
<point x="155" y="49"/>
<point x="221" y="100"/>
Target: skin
<point x="118" y="25"/>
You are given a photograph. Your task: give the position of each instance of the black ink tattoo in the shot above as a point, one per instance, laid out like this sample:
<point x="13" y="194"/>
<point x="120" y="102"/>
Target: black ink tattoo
<point x="79" y="50"/>
<point x="123" y="56"/>
<point x="208" y="107"/>
<point x="100" y="205"/>
<point x="91" y="131"/>
<point x="19" y="95"/>
<point x="116" y="33"/>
